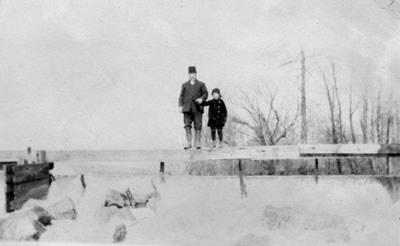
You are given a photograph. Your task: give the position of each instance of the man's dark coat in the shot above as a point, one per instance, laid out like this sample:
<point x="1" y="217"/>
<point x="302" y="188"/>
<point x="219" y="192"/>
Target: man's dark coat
<point x="190" y="93"/>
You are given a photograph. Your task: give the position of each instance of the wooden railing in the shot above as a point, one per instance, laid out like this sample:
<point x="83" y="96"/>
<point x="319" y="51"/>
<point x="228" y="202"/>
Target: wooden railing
<point x="18" y="177"/>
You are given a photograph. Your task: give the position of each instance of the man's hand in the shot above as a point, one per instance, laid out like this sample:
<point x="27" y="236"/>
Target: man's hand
<point x="199" y="100"/>
<point x="180" y="110"/>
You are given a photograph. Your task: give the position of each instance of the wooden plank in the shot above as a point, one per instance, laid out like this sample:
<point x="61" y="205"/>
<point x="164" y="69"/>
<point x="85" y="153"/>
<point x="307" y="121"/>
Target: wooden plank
<point x="348" y="150"/>
<point x="29" y="174"/>
<point x="32" y="190"/>
<point x="3" y="163"/>
<point x="25" y="188"/>
<point x="229" y="153"/>
<point x="8" y="173"/>
<point x="26" y="173"/>
<point x="9" y="197"/>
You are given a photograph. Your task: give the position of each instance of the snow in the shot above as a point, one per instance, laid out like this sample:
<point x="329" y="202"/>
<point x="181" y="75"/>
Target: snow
<point x="200" y="210"/>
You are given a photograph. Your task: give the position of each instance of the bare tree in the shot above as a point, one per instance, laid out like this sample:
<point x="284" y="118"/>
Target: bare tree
<point x="268" y="125"/>
<point x="342" y="136"/>
<point x="331" y="103"/>
<point x="304" y="127"/>
<point x="389" y="123"/>
<point x="372" y="132"/>
<point x="303" y="99"/>
<point x="364" y="120"/>
<point x="351" y="113"/>
<point x="378" y="120"/>
<point x="397" y="123"/>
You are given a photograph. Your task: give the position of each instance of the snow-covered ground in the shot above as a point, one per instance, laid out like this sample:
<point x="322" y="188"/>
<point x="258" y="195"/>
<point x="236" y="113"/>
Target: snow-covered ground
<point x="196" y="210"/>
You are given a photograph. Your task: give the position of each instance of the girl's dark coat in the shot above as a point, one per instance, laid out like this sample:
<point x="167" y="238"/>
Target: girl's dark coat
<point x="217" y="113"/>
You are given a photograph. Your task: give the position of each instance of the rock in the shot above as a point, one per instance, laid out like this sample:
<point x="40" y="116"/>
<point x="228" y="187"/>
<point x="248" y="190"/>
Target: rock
<point x="21" y="227"/>
<point x="105" y="214"/>
<point x="120" y="233"/>
<point x="140" y="201"/>
<point x="115" y="198"/>
<point x="43" y="216"/>
<point x="64" y="209"/>
<point x="253" y="240"/>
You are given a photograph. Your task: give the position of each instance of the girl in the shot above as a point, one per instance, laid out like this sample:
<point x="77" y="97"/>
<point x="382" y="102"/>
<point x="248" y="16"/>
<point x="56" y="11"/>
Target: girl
<point x="217" y="115"/>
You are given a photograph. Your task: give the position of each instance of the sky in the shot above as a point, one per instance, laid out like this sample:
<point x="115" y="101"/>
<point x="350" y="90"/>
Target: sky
<point x="97" y="74"/>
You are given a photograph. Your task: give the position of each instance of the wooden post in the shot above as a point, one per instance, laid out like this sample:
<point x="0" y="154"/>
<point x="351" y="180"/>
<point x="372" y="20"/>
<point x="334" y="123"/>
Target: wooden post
<point x="29" y="155"/>
<point x="83" y="181"/>
<point x="41" y="156"/>
<point x="387" y="165"/>
<point x="316" y="170"/>
<point x="8" y="177"/>
<point x="243" y="191"/>
<point x="162" y="179"/>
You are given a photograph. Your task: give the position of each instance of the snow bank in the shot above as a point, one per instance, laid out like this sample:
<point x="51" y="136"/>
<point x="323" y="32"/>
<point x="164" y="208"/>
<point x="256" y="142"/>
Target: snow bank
<point x="197" y="210"/>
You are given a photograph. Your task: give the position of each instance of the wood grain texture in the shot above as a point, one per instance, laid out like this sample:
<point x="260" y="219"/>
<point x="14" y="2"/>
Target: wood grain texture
<point x="249" y="152"/>
<point x="346" y="150"/>
<point x="4" y="163"/>
<point x="26" y="173"/>
<point x="31" y="190"/>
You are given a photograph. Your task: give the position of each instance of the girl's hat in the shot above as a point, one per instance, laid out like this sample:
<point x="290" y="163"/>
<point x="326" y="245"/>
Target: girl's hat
<point x="216" y="90"/>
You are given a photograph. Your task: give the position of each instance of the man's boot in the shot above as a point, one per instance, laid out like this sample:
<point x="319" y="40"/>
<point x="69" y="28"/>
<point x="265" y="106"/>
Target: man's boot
<point x="197" y="138"/>
<point x="188" y="138"/>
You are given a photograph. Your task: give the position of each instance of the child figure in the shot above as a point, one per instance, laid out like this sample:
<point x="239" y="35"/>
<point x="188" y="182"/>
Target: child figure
<point x="217" y="115"/>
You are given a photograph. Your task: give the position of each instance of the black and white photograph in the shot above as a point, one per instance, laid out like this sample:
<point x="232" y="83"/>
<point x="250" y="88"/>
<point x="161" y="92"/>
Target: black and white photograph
<point x="199" y="123"/>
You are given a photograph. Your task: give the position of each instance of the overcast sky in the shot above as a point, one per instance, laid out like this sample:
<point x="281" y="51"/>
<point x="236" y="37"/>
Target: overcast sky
<point x="93" y="74"/>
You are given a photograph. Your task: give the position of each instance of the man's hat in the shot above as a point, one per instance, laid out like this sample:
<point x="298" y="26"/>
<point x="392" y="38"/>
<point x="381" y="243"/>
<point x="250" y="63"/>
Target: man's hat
<point x="215" y="90"/>
<point x="192" y="69"/>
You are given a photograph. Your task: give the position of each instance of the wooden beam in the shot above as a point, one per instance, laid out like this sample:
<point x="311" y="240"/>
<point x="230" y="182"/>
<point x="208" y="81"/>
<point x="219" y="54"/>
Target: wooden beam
<point x="24" y="182"/>
<point x="22" y="192"/>
<point x="4" y="163"/>
<point x="349" y="150"/>
<point x="229" y="153"/>
<point x="174" y="155"/>
<point x="26" y="173"/>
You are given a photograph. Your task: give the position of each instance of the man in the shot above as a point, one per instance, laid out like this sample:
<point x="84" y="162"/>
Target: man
<point x="193" y="93"/>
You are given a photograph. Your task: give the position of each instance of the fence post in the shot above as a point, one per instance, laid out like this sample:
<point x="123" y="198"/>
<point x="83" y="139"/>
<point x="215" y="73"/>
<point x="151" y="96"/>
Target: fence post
<point x="387" y="165"/>
<point x="243" y="191"/>
<point x="316" y="170"/>
<point x="83" y="181"/>
<point x="162" y="179"/>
